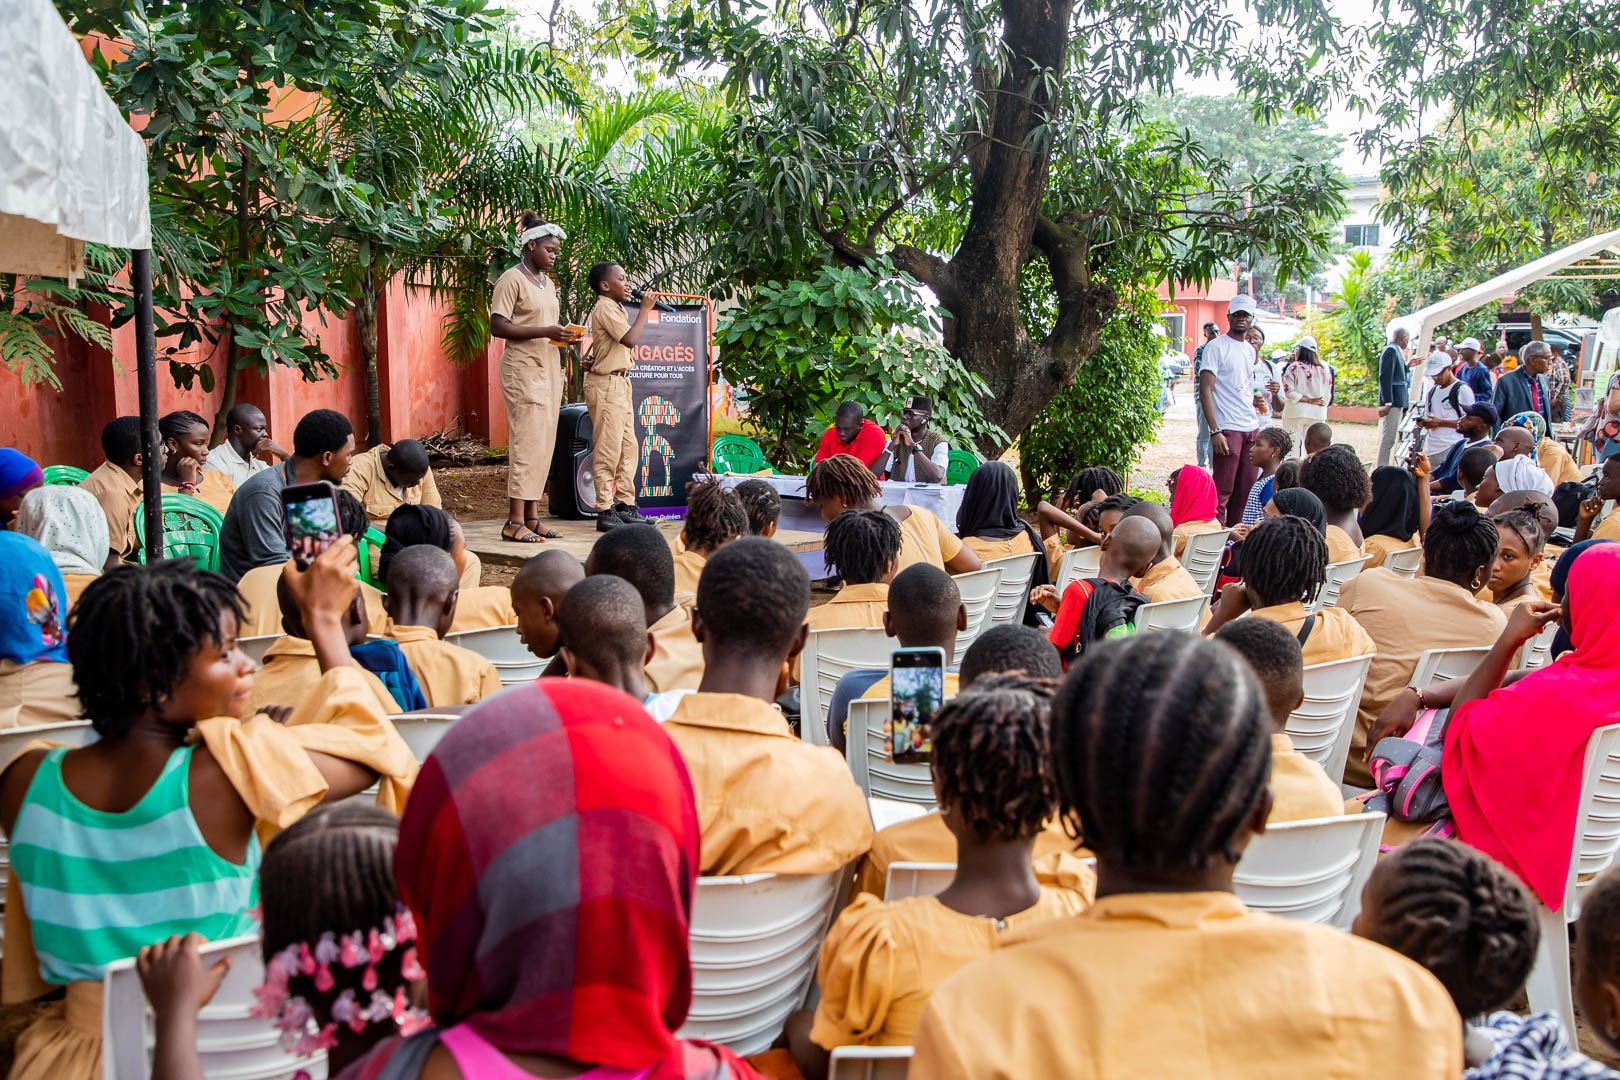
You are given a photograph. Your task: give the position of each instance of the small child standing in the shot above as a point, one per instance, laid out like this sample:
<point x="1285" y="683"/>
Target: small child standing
<point x="608" y="394"/>
<point x="422" y="593"/>
<point x="1104" y="606"/>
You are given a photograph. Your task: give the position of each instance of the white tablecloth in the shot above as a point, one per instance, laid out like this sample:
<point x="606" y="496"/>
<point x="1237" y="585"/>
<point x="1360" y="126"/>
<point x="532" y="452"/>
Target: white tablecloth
<point x="943" y="500"/>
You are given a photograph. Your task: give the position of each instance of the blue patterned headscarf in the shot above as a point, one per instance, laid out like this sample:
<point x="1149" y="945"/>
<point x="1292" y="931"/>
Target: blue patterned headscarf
<point x="33" y="603"/>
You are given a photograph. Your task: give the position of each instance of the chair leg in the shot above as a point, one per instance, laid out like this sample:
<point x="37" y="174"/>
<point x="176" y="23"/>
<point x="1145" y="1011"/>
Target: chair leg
<point x="1549" y="986"/>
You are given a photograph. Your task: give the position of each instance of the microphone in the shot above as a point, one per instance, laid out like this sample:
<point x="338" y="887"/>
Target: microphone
<point x="637" y="294"/>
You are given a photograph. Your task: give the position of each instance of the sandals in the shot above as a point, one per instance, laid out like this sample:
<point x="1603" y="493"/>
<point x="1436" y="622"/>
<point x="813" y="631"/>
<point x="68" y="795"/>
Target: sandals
<point x="533" y="525"/>
<point x="526" y="536"/>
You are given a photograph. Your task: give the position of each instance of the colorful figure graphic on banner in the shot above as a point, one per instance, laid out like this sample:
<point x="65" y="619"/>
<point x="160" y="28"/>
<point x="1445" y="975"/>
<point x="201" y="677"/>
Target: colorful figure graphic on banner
<point x="652" y="412"/>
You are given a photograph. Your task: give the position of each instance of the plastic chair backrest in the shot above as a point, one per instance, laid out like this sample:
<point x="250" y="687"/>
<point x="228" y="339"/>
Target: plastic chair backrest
<point x="257" y="645"/>
<point x="870" y="1063"/>
<point x="827" y="656"/>
<point x="1537" y="652"/>
<point x="875" y="775"/>
<point x="978" y="589"/>
<point x="190" y="531"/>
<point x="1202" y="557"/>
<point x="231" y="1042"/>
<point x="1337" y="574"/>
<point x="886" y="812"/>
<point x="422" y="730"/>
<point x="1077" y="563"/>
<point x="64" y="474"/>
<point x="1172" y="614"/>
<point x="1443" y="665"/>
<point x="502" y="646"/>
<point x="754" y="943"/>
<point x="908" y="879"/>
<point x="369" y="547"/>
<point x="1322" y="725"/>
<point x="734" y="453"/>
<point x="1012" y="594"/>
<point x="1311" y="870"/>
<point x="960" y="466"/>
<point x="1404" y="562"/>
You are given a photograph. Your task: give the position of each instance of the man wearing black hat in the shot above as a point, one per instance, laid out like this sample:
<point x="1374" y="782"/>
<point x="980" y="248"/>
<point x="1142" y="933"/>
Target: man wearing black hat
<point x="916" y="453"/>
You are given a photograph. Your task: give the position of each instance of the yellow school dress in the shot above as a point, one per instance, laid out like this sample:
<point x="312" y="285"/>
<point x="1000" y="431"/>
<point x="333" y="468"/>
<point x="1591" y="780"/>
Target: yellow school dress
<point x="1378" y="548"/>
<point x="926" y="839"/>
<point x="1165" y="580"/>
<point x="1300" y="788"/>
<point x="213" y="488"/>
<point x="677" y="660"/>
<point x="986" y="549"/>
<point x="925" y="539"/>
<point x="1335" y="634"/>
<point x="484" y="607"/>
<point x="1340" y="547"/>
<point x="1189" y="529"/>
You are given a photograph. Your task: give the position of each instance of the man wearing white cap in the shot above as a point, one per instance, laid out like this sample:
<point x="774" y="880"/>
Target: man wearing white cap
<point x="1474" y="373"/>
<point x="1228" y="399"/>
<point x="1444" y="404"/>
<point x="1307" y="390"/>
<point x="523" y="310"/>
<point x="1393" y="392"/>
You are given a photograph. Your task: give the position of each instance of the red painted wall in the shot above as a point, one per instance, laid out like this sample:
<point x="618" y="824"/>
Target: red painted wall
<point x="1200" y="305"/>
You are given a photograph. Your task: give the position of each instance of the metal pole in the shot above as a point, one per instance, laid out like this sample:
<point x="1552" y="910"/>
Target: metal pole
<point x="146" y="379"/>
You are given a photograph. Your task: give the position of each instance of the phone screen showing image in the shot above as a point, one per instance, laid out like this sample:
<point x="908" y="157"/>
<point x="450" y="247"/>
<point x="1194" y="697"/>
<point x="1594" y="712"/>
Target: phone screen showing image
<point x="916" y="692"/>
<point x="310" y="517"/>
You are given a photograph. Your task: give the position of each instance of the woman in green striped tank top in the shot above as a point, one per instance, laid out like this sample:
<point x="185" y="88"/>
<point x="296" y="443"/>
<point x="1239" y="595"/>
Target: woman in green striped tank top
<point x="140" y="835"/>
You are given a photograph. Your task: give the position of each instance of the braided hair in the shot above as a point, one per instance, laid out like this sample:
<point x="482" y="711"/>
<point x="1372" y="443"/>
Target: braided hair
<point x="861" y="545"/>
<point x="1097" y="478"/>
<point x="1278" y="438"/>
<point x="1286" y="476"/>
<point x="1523" y="524"/>
<point x="714" y="516"/>
<point x="133" y="633"/>
<point x="1460" y="542"/>
<point x="1118" y="501"/>
<point x="178" y="424"/>
<point x="844" y="478"/>
<point x="1163" y="751"/>
<point x="1285" y="559"/>
<point x="1336" y="476"/>
<point x="992" y="757"/>
<point x="1459" y="914"/>
<point x="761" y="503"/>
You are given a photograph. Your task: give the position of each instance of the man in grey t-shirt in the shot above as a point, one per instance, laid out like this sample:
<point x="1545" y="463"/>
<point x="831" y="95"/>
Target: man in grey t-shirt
<point x="253" y="535"/>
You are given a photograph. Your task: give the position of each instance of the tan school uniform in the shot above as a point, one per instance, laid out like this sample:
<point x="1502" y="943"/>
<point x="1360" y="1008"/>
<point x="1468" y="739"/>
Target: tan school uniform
<point x="484" y="608"/>
<point x="290" y="671"/>
<point x="1404" y="618"/>
<point x="213" y="488"/>
<point x="1300" y="788"/>
<point x="1379" y="547"/>
<point x="766" y="802"/>
<point x="677" y="661"/>
<point x="1609" y="527"/>
<point x="688" y="568"/>
<point x="74" y="585"/>
<point x="119" y="494"/>
<point x="1556" y="462"/>
<point x="1189" y="985"/>
<point x="986" y="549"/>
<point x="1340" y="547"/>
<point x="1189" y="529"/>
<point x="1335" y="635"/>
<point x="1542" y="574"/>
<point x="448" y="674"/>
<point x="609" y="399"/>
<point x="926" y="839"/>
<point x="851" y="608"/>
<point x="1167" y="580"/>
<point x="38" y="692"/>
<point x="925" y="539"/>
<point x="531" y="380"/>
<point x="368" y="482"/>
<point x="262" y="614"/>
<point x="1055" y="548"/>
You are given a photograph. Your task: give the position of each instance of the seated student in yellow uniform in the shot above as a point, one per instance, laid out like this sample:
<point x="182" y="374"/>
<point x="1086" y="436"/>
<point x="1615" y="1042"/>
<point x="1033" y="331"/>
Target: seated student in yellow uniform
<point x="714" y="516"/>
<point x="1163" y="752"/>
<point x="537" y="595"/>
<point x="842" y="483"/>
<point x="1060" y="531"/>
<point x="290" y="670"/>
<point x="988" y="520"/>
<point x="1166" y="579"/>
<point x="261" y="610"/>
<point x="1302" y="788"/>
<point x="1337" y="477"/>
<point x="641" y="556"/>
<point x="1398" y="515"/>
<point x="1608" y="491"/>
<point x="1519" y="554"/>
<point x="385" y="478"/>
<point x="416" y="524"/>
<point x="860" y="548"/>
<point x="999" y="650"/>
<point x="992" y="767"/>
<point x="185" y="452"/>
<point x="1284" y="566"/>
<point x="1435" y="611"/>
<point x="766" y="802"/>
<point x="422" y="603"/>
<point x="116" y="482"/>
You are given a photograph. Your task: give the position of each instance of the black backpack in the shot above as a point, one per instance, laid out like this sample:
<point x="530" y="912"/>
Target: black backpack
<point x="1109" y="612"/>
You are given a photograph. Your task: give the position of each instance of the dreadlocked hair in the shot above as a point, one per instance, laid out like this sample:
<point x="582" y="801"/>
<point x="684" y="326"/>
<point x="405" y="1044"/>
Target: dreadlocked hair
<point x="1336" y="476"/>
<point x="1092" y="518"/>
<point x="133" y="633"/>
<point x="1597" y="937"/>
<point x="1163" y="750"/>
<point x="1460" y="541"/>
<point x="1462" y="916"/>
<point x="714" y="516"/>
<point x="1096" y="478"/>
<point x="1285" y="559"/>
<point x="844" y="478"/>
<point x="861" y="545"/>
<point x="993" y="756"/>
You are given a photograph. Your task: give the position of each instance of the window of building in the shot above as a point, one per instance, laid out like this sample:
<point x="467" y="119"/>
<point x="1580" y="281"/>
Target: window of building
<point x="1175" y="328"/>
<point x="1361" y="235"/>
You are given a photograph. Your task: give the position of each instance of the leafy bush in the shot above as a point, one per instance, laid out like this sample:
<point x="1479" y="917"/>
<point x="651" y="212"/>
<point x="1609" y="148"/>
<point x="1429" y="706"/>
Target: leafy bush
<point x="798" y="349"/>
<point x="1109" y="413"/>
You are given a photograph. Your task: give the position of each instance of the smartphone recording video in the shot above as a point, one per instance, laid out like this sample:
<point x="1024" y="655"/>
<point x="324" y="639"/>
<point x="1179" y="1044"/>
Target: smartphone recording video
<point x="310" y="518"/>
<point x="916" y="692"/>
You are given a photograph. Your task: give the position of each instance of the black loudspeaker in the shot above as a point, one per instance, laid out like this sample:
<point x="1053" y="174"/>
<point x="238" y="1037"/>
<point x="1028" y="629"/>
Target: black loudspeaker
<point x="573" y="478"/>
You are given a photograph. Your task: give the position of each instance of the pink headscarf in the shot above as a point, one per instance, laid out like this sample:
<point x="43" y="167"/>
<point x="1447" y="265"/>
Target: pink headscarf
<point x="1513" y="759"/>
<point x="1195" y="498"/>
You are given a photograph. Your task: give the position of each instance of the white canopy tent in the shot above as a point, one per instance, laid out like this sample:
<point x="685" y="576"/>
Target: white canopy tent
<point x="73" y="171"/>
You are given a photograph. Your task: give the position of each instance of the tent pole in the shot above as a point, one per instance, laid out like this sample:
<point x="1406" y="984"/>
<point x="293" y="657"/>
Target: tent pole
<point x="146" y="380"/>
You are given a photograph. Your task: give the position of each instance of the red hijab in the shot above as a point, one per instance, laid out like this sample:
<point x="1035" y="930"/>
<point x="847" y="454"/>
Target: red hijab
<point x="1195" y="498"/>
<point x="549" y="853"/>
<point x="1513" y="759"/>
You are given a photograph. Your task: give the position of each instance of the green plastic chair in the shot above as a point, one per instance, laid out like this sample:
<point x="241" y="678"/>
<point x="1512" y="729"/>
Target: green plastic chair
<point x="373" y="540"/>
<point x="737" y="454"/>
<point x="64" y="474"/>
<point x="190" y="531"/>
<point x="961" y="466"/>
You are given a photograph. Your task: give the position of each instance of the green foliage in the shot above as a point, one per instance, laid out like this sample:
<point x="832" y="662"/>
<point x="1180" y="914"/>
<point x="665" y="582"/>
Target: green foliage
<point x="798" y="349"/>
<point x="37" y="311"/>
<point x="1110" y="411"/>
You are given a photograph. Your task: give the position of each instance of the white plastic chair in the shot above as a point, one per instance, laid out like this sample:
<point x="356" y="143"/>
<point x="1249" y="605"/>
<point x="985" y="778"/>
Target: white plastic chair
<point x="827" y="656"/>
<point x="874" y="774"/>
<point x="1078" y="563"/>
<point x="907" y="879"/>
<point x="423" y="730"/>
<point x="1172" y="614"/>
<point x="1310" y="870"/>
<point x="755" y="939"/>
<point x="1443" y="665"/>
<point x="1013" y="592"/>
<point x="1597" y="836"/>
<point x="886" y="812"/>
<point x="1537" y="652"/>
<point x="232" y="1044"/>
<point x="501" y="646"/>
<point x="258" y="645"/>
<point x="1322" y="725"/>
<point x="1202" y="558"/>
<point x="1337" y="574"/>
<point x="870" y="1063"/>
<point x="978" y="590"/>
<point x="1405" y="562"/>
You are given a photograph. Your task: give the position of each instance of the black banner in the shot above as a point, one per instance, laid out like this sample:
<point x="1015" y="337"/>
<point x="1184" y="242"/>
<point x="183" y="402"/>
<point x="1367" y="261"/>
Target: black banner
<point x="670" y="389"/>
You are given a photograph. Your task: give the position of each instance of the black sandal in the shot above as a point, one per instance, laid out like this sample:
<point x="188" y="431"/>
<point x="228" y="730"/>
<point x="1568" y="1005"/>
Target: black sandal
<point x="546" y="534"/>
<point x="512" y="538"/>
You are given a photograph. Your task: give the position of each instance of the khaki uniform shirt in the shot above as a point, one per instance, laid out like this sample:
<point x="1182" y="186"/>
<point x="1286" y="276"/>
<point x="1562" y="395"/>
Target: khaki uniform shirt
<point x="38" y="692"/>
<point x="527" y="303"/>
<point x="1167" y="580"/>
<point x="448" y="674"/>
<point x="608" y="324"/>
<point x="925" y="539"/>
<point x="1378" y="548"/>
<point x="1609" y="527"/>
<point x="852" y="608"/>
<point x="1017" y="544"/>
<point x="1340" y="547"/>
<point x="369" y="483"/>
<point x="926" y="839"/>
<point x="677" y="661"/>
<point x="263" y="609"/>
<point x="213" y="488"/>
<point x="289" y="671"/>
<point x="1189" y="529"/>
<point x="484" y="608"/>
<point x="688" y="568"/>
<point x="1300" y="787"/>
<point x="119" y="495"/>
<point x="1335" y="635"/>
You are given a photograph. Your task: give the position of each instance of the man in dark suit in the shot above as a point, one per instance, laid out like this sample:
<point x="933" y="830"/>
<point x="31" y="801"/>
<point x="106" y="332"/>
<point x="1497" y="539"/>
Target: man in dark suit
<point x="1393" y="392"/>
<point x="1524" y="389"/>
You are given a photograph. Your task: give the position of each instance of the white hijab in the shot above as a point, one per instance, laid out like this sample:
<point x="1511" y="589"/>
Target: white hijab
<point x="71" y="525"/>
<point x="1521" y="474"/>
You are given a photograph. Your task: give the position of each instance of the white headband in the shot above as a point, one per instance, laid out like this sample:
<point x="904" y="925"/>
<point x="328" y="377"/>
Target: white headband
<point x="539" y="231"/>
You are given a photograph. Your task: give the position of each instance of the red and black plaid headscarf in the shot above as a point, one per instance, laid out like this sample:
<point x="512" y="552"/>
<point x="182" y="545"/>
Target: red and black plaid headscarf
<point x="549" y="852"/>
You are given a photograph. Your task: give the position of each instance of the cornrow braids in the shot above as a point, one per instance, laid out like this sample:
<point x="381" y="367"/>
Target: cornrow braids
<point x="1523" y="525"/>
<point x="861" y="545"/>
<point x="1456" y="912"/>
<point x="714" y="516"/>
<point x="1097" y="478"/>
<point x="133" y="633"/>
<point x="1163" y="751"/>
<point x="1278" y="438"/>
<point x="1285" y="559"/>
<point x="1460" y="542"/>
<point x="992" y="756"/>
<point x="844" y="478"/>
<point x="178" y="424"/>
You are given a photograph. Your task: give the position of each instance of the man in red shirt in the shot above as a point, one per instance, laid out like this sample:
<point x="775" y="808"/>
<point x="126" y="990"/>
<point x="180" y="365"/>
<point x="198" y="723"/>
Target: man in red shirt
<point x="852" y="433"/>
